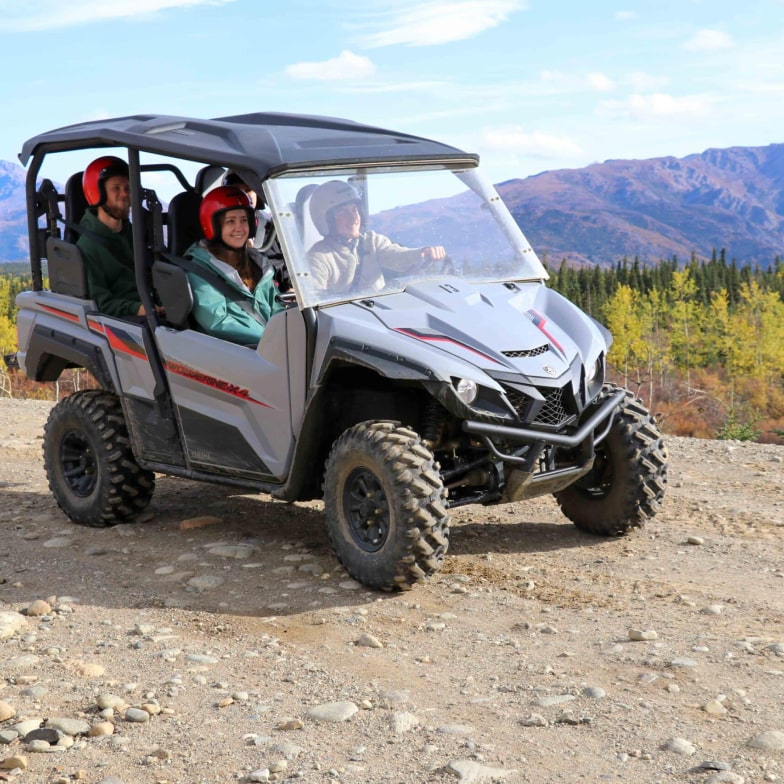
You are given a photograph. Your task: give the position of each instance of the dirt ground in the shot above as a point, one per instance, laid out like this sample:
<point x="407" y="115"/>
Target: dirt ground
<point x="226" y="624"/>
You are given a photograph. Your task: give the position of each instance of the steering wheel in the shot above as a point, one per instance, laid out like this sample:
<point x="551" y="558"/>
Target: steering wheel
<point x="445" y="266"/>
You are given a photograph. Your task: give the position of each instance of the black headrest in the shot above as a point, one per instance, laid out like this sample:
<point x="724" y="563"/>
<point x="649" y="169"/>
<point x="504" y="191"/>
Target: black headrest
<point x="208" y="178"/>
<point x="75" y="205"/>
<point x="183" y="222"/>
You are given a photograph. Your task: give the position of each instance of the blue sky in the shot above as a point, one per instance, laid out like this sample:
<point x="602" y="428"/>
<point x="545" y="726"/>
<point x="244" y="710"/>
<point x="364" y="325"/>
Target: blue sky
<point x="531" y="85"/>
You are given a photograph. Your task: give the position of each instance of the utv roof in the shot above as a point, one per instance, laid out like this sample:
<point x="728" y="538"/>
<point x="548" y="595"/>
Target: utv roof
<point x="267" y="143"/>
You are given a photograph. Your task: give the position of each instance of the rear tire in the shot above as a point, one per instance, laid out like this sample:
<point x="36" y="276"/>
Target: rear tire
<point x="92" y="472"/>
<point x="626" y="485"/>
<point x="385" y="506"/>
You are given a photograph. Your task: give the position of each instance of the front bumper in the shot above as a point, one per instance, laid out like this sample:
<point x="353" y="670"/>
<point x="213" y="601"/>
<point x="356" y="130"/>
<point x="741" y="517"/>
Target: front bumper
<point x="601" y="418"/>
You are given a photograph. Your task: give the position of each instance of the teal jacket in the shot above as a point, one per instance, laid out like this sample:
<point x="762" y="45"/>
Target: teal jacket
<point x="108" y="258"/>
<point x="217" y="314"/>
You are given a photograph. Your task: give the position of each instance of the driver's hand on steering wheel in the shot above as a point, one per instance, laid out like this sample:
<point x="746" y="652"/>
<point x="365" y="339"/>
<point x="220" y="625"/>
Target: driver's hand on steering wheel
<point x="434" y="253"/>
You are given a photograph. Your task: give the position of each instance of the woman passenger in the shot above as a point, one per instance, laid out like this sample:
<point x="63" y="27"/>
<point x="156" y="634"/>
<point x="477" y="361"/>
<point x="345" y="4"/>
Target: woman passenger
<point x="240" y="312"/>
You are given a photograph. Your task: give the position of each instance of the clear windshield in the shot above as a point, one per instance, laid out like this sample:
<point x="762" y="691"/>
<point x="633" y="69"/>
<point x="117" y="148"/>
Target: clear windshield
<point x="350" y="235"/>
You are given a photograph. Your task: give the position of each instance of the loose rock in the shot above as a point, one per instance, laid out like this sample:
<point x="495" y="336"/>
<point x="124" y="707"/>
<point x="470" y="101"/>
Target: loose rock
<point x="333" y="711"/>
<point x="39" y="607"/>
<point x="11" y="623"/>
<point x="772" y="740"/>
<point x="468" y="771"/>
<point x="639" y="635"/>
<point x="680" y="746"/>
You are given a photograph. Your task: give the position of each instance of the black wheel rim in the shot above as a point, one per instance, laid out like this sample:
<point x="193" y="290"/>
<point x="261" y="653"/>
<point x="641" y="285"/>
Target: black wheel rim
<point x="77" y="458"/>
<point x="366" y="509"/>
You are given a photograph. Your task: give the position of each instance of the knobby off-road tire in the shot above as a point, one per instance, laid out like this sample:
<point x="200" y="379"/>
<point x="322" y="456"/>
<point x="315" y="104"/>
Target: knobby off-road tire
<point x="91" y="469"/>
<point x="385" y="506"/>
<point x="626" y="485"/>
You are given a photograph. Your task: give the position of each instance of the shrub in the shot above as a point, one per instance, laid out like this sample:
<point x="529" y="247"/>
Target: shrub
<point x="735" y="430"/>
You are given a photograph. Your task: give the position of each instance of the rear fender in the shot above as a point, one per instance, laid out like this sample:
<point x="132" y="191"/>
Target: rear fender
<point x="53" y="352"/>
<point x="54" y="335"/>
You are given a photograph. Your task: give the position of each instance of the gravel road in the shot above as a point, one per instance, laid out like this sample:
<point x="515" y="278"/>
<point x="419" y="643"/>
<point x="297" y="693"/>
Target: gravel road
<point x="218" y="640"/>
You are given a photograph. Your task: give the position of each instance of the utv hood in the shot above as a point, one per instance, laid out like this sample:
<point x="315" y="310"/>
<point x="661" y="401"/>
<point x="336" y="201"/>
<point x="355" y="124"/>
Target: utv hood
<point x="499" y="327"/>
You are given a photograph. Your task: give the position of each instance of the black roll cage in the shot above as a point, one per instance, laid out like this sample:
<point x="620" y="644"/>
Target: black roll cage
<point x="259" y="145"/>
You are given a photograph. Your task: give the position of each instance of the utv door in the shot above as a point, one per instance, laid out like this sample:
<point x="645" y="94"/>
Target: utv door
<point x="238" y="406"/>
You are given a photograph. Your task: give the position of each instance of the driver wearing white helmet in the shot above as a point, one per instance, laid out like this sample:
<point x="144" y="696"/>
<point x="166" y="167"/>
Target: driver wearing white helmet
<point x="347" y="257"/>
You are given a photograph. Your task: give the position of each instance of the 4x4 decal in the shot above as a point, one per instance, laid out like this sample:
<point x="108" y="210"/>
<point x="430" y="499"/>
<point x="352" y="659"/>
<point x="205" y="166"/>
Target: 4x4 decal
<point x="214" y="383"/>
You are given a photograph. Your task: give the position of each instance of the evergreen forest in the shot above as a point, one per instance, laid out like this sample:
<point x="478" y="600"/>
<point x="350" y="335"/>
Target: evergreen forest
<point x="702" y="342"/>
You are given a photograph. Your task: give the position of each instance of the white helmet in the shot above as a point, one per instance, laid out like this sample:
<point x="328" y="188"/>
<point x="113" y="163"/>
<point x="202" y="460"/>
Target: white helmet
<point x="325" y="198"/>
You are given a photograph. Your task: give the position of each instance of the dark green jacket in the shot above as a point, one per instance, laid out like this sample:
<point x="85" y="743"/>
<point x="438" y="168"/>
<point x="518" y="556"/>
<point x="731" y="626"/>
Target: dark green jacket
<point x="109" y="260"/>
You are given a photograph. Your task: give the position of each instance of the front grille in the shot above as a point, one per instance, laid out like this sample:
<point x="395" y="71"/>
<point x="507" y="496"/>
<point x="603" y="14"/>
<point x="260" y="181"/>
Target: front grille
<point x="552" y="413"/>
<point x="527" y="352"/>
<point x="520" y="402"/>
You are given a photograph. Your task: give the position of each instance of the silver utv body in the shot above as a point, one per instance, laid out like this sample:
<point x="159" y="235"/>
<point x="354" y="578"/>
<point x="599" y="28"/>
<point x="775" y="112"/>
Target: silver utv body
<point x="472" y="365"/>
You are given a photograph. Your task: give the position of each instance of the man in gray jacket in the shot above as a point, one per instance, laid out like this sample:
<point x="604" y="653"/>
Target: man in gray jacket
<point x="348" y="258"/>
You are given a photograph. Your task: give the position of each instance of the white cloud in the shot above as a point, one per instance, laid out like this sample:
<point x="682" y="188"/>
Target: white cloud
<point x="440" y="21"/>
<point x="346" y="65"/>
<point x="552" y="76"/>
<point x="641" y="82"/>
<point x="397" y="87"/>
<point x="535" y="145"/>
<point x="53" y="14"/>
<point x="656" y="106"/>
<point x="560" y="82"/>
<point x="708" y="41"/>
<point x="624" y="16"/>
<point x="600" y="82"/>
<point x="557" y="82"/>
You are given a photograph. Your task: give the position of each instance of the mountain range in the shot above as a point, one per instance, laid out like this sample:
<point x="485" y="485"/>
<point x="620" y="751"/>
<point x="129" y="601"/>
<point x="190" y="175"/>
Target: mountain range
<point x="731" y="199"/>
<point x="653" y="209"/>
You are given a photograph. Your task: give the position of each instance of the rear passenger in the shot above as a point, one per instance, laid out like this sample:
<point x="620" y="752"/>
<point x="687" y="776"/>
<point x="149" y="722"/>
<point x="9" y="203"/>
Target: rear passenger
<point x="106" y="240"/>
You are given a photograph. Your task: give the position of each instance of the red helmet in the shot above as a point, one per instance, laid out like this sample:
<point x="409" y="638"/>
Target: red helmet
<point x="96" y="174"/>
<point x="218" y="201"/>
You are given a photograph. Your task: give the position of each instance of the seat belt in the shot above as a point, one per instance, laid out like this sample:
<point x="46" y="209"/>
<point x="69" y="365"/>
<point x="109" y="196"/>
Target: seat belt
<point x="216" y="281"/>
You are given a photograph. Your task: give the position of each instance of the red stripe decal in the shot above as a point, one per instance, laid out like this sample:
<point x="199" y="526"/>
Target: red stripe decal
<point x="412" y="333"/>
<point x="212" y="382"/>
<point x="124" y="345"/>
<point x="539" y="322"/>
<point x="61" y="313"/>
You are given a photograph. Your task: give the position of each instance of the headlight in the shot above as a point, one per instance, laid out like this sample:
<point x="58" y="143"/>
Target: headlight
<point x="466" y="390"/>
<point x="595" y="372"/>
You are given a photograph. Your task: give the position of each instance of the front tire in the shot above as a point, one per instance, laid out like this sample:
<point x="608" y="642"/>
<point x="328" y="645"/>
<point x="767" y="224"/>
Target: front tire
<point x="385" y="506"/>
<point x="626" y="485"/>
<point x="92" y="472"/>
